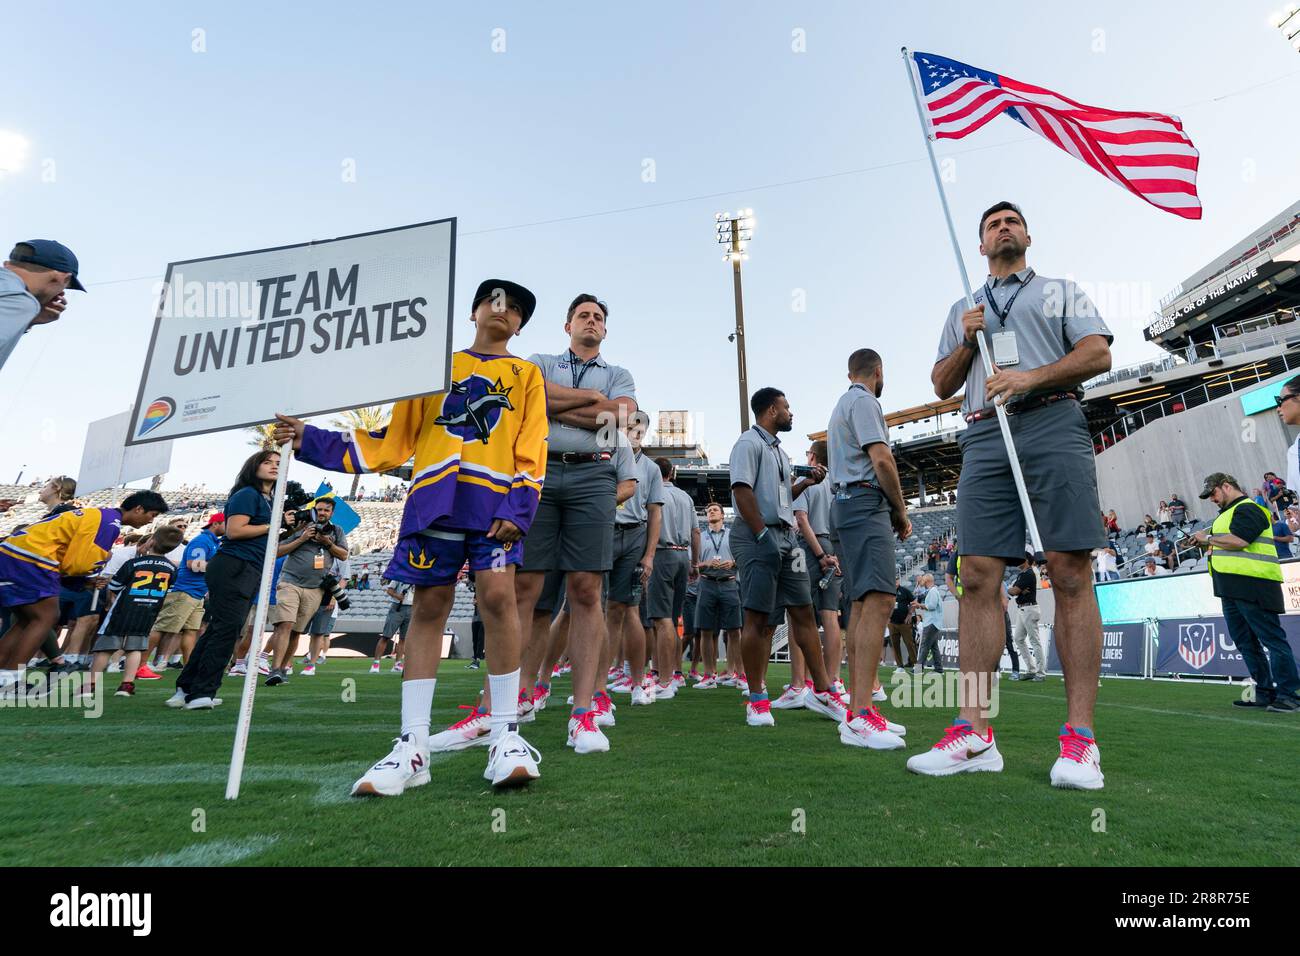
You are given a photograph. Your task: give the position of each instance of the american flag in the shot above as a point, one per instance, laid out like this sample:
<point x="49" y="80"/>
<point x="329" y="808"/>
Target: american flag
<point x="1146" y="153"/>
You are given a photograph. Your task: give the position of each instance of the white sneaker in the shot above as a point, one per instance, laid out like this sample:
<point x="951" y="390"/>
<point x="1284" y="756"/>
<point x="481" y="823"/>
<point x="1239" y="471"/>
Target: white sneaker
<point x="309" y="670"/>
<point x="238" y="670"/>
<point x="1079" y="766"/>
<point x="201" y="703"/>
<point x="471" y="731"/>
<point x="961" y="750"/>
<point x="870" y="730"/>
<point x="374" y="667"/>
<point x="526" y="713"/>
<point x="604" y="708"/>
<point x="397" y="667"/>
<point x="621" y="686"/>
<point x="708" y="683"/>
<point x="176" y="700"/>
<point x="585" y="737"/>
<point x="828" y="704"/>
<point x="540" y="697"/>
<point x="678" y="681"/>
<point x="879" y="696"/>
<point x="641" y="697"/>
<point x="837" y="685"/>
<point x="725" y="680"/>
<point x="760" y="714"/>
<point x="320" y="658"/>
<point x="665" y="691"/>
<point x="512" y="761"/>
<point x="405" y="766"/>
<point x="288" y="670"/>
<point x="792" y="699"/>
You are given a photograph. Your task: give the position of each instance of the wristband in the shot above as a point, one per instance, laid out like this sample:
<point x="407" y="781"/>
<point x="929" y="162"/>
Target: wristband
<point x="973" y="346"/>
<point x="760" y="535"/>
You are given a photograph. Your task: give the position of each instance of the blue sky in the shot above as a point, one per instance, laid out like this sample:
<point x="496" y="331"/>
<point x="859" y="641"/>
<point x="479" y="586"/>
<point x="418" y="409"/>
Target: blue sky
<point x="159" y="153"/>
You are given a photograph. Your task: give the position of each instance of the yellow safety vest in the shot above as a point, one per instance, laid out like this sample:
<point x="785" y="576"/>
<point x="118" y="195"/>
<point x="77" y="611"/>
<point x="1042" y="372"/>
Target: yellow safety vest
<point x="1259" y="560"/>
<point x="956" y="578"/>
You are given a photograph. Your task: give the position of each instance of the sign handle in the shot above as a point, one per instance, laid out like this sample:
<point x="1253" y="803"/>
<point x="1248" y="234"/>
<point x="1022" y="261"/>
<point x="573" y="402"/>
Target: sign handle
<point x="245" y="721"/>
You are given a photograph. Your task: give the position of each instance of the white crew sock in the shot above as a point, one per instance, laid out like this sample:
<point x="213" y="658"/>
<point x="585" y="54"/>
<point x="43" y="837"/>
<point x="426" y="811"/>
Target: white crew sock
<point x="505" y="700"/>
<point x="417" y="708"/>
<point x="627" y="668"/>
<point x="176" y="659"/>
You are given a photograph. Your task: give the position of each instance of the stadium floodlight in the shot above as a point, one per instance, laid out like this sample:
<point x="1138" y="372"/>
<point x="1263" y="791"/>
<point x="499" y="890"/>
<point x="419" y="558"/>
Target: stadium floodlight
<point x="734" y="233"/>
<point x="13" y="151"/>
<point x="1287" y="20"/>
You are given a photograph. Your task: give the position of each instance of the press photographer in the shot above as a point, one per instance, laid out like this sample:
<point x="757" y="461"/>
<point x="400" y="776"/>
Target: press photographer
<point x="310" y="549"/>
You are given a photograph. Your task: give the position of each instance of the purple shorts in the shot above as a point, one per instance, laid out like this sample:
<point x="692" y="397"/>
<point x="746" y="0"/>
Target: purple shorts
<point x="24" y="583"/>
<point x="433" y="558"/>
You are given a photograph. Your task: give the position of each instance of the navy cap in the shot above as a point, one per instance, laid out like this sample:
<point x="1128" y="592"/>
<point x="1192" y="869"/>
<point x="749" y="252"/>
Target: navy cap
<point x="52" y="255"/>
<point x="527" y="301"/>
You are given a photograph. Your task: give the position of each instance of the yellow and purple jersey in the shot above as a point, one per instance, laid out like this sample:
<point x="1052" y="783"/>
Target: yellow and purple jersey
<point x="69" y="544"/>
<point x="480" y="446"/>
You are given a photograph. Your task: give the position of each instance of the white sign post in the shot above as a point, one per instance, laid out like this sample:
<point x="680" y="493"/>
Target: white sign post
<point x="304" y="330"/>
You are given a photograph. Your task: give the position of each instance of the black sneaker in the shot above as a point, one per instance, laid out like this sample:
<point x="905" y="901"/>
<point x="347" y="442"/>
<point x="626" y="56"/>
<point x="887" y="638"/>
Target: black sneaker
<point x="175" y="666"/>
<point x="1284" y="705"/>
<point x="473" y="665"/>
<point x="1252" y="703"/>
<point x="275" y="678"/>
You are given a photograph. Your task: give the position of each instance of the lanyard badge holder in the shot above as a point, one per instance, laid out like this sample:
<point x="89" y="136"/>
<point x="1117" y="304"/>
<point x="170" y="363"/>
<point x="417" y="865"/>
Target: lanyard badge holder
<point x="1006" y="351"/>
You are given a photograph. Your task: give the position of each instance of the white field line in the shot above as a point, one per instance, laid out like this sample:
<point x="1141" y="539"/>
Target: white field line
<point x="210" y="853"/>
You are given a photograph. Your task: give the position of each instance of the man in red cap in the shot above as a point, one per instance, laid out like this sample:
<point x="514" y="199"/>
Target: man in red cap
<point x="176" y="628"/>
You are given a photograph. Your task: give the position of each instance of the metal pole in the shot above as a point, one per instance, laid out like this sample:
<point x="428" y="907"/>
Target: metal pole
<point x="742" y="372"/>
<point x="970" y="304"/>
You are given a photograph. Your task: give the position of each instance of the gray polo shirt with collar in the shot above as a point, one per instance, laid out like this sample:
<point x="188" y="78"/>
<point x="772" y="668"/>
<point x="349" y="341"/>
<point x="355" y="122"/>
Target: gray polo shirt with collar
<point x="649" y="491"/>
<point x="679" y="517"/>
<point x="856" y="422"/>
<point x="1049" y="317"/>
<point x="758" y="461"/>
<point x="815" y="502"/>
<point x="611" y="381"/>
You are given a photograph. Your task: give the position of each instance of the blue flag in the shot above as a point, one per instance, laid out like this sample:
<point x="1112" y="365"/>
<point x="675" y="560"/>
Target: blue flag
<point x="344" y="516"/>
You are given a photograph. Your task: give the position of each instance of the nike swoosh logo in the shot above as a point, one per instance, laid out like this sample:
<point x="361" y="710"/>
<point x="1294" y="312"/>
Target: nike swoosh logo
<point x="975" y="753"/>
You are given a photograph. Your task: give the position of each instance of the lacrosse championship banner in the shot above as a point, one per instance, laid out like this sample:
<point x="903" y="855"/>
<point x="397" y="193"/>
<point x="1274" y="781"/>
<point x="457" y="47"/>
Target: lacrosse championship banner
<point x="1202" y="647"/>
<point x="305" y="330"/>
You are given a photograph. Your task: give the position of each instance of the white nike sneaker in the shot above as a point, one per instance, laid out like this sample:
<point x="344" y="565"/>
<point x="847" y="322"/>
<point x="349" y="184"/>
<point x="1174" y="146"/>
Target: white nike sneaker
<point x="540" y="696"/>
<point x="679" y="681"/>
<point x="760" y="714"/>
<point x="512" y="761"/>
<point x="471" y="731"/>
<point x="176" y="700"/>
<point x="792" y="699"/>
<point x="870" y="730"/>
<point x="201" y="703"/>
<point x="405" y="767"/>
<point x="527" y="714"/>
<point x="665" y="692"/>
<point x="879" y="696"/>
<point x="585" y="737"/>
<point x="725" y="680"/>
<point x="309" y="670"/>
<point x="374" y="667"/>
<point x="621" y="686"/>
<point x="837" y="685"/>
<point x="961" y="750"/>
<point x="827" y="703"/>
<point x="1079" y="766"/>
<point x="604" y="708"/>
<point x="708" y="683"/>
<point x="641" y="697"/>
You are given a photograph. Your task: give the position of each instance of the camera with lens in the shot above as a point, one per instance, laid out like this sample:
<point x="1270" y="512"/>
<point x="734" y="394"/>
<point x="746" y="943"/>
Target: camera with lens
<point x="333" y="591"/>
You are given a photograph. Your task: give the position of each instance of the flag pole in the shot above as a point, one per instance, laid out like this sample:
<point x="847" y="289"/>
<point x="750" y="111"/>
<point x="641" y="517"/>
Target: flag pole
<point x="245" y="721"/>
<point x="970" y="304"/>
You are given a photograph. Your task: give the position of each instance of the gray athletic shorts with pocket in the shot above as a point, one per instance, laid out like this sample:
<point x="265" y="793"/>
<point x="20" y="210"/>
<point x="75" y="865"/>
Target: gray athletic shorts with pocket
<point x="769" y="577"/>
<point x="571" y="529"/>
<point x="629" y="546"/>
<point x="718" y="606"/>
<point x="668" y="583"/>
<point x="866" y="541"/>
<point x="114" y="642"/>
<point x="827" y="598"/>
<point x="1056" y="457"/>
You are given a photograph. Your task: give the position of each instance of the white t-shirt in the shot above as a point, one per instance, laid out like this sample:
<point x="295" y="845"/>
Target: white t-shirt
<point x="118" y="557"/>
<point x="1103" y="560"/>
<point x="1152" y="548"/>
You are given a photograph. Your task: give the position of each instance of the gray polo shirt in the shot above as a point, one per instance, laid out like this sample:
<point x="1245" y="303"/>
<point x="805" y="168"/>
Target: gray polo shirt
<point x="17" y="309"/>
<point x="300" y="564"/>
<point x="857" y="421"/>
<point x="610" y="380"/>
<point x="815" y="502"/>
<point x="624" y="463"/>
<point x="715" y="544"/>
<point x="758" y="461"/>
<point x="679" y="517"/>
<point x="1049" y="317"/>
<point x="649" y="491"/>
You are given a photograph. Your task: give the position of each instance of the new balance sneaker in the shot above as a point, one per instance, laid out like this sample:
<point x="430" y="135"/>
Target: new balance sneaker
<point x="309" y="670"/>
<point x="827" y="703"/>
<point x="398" y="667"/>
<point x="512" y="761"/>
<point x="870" y="729"/>
<point x="541" y="694"/>
<point x="641" y="696"/>
<point x="584" y="736"/>
<point x="470" y="731"/>
<point x="145" y="672"/>
<point x="374" y="667"/>
<point x="604" y="708"/>
<point x="665" y="691"/>
<point x="708" y="683"/>
<point x="176" y="700"/>
<point x="759" y="714"/>
<point x="526" y="712"/>
<point x="406" y="766"/>
<point x="1079" y="766"/>
<point x="960" y="750"/>
<point x="791" y="699"/>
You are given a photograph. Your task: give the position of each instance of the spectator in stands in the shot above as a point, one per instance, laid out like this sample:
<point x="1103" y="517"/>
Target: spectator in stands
<point x="1168" y="553"/>
<point x="1282" y="537"/>
<point x="1151" y="569"/>
<point x="1163" y="516"/>
<point x="1148" y="525"/>
<point x="1177" y="510"/>
<point x="363" y="584"/>
<point x="1104" y="564"/>
<point x="1112" y="522"/>
<point x="1247" y="578"/>
<point x="1152" y="546"/>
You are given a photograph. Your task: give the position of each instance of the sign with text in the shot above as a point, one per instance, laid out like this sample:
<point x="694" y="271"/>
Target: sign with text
<point x="305" y="330"/>
<point x="1121" y="650"/>
<point x="1203" y="647"/>
<point x="106" y="462"/>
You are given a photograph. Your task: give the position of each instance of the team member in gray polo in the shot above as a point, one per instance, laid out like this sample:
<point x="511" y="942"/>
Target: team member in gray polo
<point x="677" y="552"/>
<point x="763" y="541"/>
<point x="1045" y="339"/>
<point x="587" y="400"/>
<point x="718" y="606"/>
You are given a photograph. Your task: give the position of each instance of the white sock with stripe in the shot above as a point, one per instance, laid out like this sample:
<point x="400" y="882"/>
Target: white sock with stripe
<point x="505" y="700"/>
<point x="417" y="708"/>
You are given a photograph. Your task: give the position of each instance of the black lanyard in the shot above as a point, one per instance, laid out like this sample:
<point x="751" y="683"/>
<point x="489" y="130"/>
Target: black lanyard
<point x="1004" y="312"/>
<point x="780" y="464"/>
<point x="717" y="542"/>
<point x="575" y="365"/>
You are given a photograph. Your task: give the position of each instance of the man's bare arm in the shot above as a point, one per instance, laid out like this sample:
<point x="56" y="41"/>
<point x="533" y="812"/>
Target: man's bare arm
<point x="1090" y="357"/>
<point x="746" y="502"/>
<point x="597" y="414"/>
<point x="882" y="459"/>
<point x="949" y="373"/>
<point x="562" y="398"/>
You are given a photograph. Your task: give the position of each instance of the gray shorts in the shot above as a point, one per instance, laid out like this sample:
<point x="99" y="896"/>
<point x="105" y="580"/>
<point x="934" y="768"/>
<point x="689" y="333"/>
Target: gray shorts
<point x="718" y="606"/>
<point x="1056" y="456"/>
<point x="114" y="642"/>
<point x="322" y="622"/>
<point x="397" y="620"/>
<point x="828" y="598"/>
<point x="571" y="529"/>
<point x="629" y="546"/>
<point x="769" y="580"/>
<point x="866" y="541"/>
<point x="668" y="583"/>
<point x="551" y="601"/>
<point x="688" y="613"/>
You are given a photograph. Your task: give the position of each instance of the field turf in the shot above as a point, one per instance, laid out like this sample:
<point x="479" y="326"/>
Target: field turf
<point x="1190" y="780"/>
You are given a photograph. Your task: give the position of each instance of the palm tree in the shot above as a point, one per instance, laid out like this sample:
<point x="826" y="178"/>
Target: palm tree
<point x="369" y="418"/>
<point x="260" y="436"/>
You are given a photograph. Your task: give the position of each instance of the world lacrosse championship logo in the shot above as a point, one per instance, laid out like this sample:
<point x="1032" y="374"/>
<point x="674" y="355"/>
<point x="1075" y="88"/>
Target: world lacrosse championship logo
<point x="1196" y="644"/>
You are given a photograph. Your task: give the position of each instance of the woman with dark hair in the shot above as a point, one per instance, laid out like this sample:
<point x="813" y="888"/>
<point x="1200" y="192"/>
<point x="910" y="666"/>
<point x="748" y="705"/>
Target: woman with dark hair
<point x="232" y="576"/>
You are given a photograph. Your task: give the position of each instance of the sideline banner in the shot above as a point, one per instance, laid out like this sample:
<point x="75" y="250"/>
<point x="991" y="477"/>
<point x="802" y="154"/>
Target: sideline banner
<point x="1121" y="650"/>
<point x="304" y="329"/>
<point x="1202" y="647"/>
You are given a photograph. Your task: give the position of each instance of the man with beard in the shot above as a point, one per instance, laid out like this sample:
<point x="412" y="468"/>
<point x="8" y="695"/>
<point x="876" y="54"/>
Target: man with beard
<point x="1045" y="339"/>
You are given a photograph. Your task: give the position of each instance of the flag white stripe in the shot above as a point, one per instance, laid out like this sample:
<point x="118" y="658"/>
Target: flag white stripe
<point x="1157" y="172"/>
<point x="996" y="104"/>
<point x="1152" y="149"/>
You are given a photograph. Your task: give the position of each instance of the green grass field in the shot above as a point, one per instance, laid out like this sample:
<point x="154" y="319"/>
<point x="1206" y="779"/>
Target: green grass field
<point x="1190" y="780"/>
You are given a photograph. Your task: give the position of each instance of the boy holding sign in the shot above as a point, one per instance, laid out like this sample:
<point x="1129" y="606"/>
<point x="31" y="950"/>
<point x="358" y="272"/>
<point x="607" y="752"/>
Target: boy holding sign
<point x="480" y="459"/>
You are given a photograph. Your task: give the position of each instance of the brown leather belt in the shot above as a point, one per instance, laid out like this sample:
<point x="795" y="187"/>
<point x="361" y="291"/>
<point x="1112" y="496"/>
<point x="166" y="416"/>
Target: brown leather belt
<point x="1022" y="406"/>
<point x="574" y="457"/>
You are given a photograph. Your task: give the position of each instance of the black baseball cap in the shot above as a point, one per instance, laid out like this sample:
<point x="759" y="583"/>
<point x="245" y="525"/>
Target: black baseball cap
<point x="52" y="255"/>
<point x="488" y="288"/>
